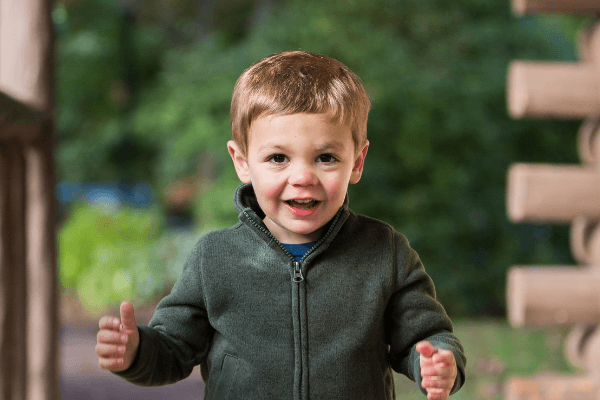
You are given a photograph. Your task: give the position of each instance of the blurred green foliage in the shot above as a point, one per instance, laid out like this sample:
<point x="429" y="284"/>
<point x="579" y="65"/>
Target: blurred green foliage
<point x="440" y="138"/>
<point x="110" y="255"/>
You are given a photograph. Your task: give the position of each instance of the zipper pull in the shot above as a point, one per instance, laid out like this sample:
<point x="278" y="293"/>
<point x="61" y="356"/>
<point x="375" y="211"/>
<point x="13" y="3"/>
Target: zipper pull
<point x="298" y="277"/>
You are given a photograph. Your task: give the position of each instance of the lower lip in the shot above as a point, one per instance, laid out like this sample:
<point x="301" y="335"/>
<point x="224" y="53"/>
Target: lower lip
<point x="301" y="212"/>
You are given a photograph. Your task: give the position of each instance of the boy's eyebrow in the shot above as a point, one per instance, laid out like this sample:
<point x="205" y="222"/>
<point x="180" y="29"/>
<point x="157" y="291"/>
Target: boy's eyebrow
<point x="333" y="145"/>
<point x="270" y="147"/>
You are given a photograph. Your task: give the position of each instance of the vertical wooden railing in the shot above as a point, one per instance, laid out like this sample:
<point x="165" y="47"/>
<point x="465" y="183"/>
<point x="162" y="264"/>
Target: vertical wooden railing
<point x="29" y="319"/>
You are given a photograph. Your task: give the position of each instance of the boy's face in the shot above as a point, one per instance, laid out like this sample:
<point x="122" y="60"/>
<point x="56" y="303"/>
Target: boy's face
<point x="300" y="166"/>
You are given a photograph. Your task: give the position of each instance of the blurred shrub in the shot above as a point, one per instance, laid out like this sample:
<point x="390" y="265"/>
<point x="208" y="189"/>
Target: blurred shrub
<point x="110" y="255"/>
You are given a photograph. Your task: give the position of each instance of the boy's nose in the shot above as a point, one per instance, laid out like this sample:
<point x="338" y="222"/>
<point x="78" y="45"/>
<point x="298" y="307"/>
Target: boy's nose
<point x="302" y="175"/>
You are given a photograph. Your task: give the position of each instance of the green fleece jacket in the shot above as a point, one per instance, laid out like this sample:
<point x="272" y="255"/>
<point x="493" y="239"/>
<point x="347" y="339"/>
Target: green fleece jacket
<point x="262" y="326"/>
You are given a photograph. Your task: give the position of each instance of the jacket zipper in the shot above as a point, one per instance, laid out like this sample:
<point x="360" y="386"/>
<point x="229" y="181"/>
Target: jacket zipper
<point x="298" y="277"/>
<point x="301" y="389"/>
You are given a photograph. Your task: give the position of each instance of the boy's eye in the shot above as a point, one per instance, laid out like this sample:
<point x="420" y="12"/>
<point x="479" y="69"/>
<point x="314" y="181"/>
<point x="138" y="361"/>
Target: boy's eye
<point x="278" y="158"/>
<point x="326" y="158"/>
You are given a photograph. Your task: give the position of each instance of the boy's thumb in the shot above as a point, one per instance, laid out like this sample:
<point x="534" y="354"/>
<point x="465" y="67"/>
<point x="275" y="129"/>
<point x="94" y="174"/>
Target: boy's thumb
<point x="426" y="349"/>
<point x="127" y="316"/>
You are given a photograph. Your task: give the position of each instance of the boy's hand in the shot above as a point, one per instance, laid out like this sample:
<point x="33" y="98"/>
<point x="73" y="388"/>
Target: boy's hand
<point x="438" y="370"/>
<point x="117" y="340"/>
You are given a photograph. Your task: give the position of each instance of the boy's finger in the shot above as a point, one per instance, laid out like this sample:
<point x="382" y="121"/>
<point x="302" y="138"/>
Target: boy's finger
<point x="426" y="349"/>
<point x="111" y="364"/>
<point x="437" y="394"/>
<point x="436" y="383"/>
<point x="111" y="337"/>
<point x="127" y="317"/>
<point x="109" y="350"/>
<point x="445" y="357"/>
<point x="435" y="370"/>
<point x="108" y="322"/>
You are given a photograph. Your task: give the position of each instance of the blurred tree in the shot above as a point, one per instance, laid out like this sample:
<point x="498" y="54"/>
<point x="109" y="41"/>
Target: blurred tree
<point x="441" y="141"/>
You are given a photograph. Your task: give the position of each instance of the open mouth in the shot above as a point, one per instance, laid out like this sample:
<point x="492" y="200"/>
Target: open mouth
<point x="303" y="204"/>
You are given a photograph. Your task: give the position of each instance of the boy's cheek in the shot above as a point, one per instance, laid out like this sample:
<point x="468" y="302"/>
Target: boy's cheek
<point x="335" y="188"/>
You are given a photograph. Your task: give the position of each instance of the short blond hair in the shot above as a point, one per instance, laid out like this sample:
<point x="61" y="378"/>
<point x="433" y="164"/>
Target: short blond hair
<point x="299" y="82"/>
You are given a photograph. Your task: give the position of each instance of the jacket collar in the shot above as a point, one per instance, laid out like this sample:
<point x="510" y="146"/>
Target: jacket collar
<point x="247" y="206"/>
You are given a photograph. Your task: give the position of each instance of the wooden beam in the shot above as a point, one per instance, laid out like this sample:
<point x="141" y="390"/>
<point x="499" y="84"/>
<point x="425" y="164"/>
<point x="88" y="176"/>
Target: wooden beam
<point x="19" y="121"/>
<point x="522" y="7"/>
<point x="552" y="89"/>
<point x="552" y="193"/>
<point x="26" y="52"/>
<point x="543" y="296"/>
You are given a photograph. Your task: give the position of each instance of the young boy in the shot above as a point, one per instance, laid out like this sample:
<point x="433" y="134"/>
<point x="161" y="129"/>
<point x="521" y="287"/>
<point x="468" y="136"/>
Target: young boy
<point x="302" y="298"/>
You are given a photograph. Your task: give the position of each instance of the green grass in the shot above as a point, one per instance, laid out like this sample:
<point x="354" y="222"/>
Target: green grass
<point x="496" y="352"/>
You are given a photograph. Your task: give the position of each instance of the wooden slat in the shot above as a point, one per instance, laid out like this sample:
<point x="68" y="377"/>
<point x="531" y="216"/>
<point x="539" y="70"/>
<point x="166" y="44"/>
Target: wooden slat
<point x="552" y="193"/>
<point x="552" y="90"/>
<point x="19" y="121"/>
<point x="522" y="7"/>
<point x="5" y="277"/>
<point x="13" y="271"/>
<point x="43" y="299"/>
<point x="19" y="289"/>
<point x="543" y="296"/>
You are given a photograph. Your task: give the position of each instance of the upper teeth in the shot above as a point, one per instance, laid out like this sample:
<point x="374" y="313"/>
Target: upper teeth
<point x="303" y="201"/>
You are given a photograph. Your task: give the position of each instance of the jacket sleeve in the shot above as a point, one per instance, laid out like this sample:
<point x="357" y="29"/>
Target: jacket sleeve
<point x="413" y="314"/>
<point x="178" y="336"/>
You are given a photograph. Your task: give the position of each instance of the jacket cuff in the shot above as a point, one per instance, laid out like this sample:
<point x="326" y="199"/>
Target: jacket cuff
<point x="140" y="361"/>
<point x="416" y="366"/>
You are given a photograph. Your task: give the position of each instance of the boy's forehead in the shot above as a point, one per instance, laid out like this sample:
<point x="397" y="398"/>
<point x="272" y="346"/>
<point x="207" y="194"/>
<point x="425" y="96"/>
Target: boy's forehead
<point x="319" y="131"/>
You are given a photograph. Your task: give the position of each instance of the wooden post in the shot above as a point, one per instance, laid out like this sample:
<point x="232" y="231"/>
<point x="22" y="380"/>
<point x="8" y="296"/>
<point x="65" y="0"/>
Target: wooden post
<point x="557" y="193"/>
<point x="29" y="325"/>
<point x="522" y="7"/>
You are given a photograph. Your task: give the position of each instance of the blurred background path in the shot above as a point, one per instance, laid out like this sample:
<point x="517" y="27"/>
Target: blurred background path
<point x="82" y="379"/>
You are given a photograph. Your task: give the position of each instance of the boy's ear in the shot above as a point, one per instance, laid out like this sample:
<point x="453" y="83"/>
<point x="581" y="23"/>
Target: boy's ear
<point x="239" y="161"/>
<point x="359" y="163"/>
